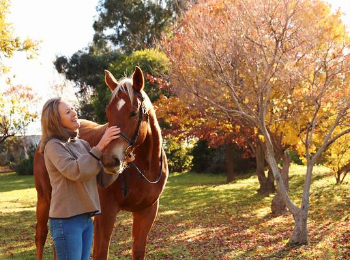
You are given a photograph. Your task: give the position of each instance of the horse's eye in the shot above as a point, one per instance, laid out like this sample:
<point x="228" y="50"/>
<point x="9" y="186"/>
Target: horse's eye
<point x="133" y="113"/>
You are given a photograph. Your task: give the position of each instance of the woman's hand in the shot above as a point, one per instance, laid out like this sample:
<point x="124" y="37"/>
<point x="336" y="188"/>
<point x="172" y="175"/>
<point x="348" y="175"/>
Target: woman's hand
<point x="110" y="134"/>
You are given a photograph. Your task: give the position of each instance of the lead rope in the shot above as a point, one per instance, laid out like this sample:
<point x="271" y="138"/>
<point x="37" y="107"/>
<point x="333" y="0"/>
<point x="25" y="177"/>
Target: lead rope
<point x="125" y="180"/>
<point x="160" y="170"/>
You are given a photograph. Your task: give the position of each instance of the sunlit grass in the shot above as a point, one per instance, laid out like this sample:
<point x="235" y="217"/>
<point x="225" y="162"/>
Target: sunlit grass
<point x="18" y="200"/>
<point x="17" y="217"/>
<point x="202" y="217"/>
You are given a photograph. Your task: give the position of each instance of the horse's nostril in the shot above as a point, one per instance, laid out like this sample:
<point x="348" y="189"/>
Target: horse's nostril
<point x="116" y="162"/>
<point x="109" y="161"/>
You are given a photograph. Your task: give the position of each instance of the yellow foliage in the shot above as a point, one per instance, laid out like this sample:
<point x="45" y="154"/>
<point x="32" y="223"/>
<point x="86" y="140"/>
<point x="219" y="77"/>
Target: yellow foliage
<point x="17" y="109"/>
<point x="261" y="138"/>
<point x="338" y="154"/>
<point x="9" y="43"/>
<point x="294" y="82"/>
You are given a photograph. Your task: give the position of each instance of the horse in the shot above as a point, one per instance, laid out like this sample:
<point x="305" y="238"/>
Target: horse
<point x="141" y="180"/>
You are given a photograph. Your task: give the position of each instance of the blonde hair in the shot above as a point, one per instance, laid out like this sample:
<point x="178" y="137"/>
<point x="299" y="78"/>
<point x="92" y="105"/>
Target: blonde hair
<point x="51" y="123"/>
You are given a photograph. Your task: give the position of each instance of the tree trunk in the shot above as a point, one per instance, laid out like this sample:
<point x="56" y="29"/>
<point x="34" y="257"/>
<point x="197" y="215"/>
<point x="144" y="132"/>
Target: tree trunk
<point x="300" y="232"/>
<point x="229" y="156"/>
<point x="25" y="150"/>
<point x="267" y="185"/>
<point x="299" y="236"/>
<point x="278" y="207"/>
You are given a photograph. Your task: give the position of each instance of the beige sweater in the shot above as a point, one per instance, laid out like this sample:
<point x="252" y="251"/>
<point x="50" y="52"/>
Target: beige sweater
<point x="74" y="181"/>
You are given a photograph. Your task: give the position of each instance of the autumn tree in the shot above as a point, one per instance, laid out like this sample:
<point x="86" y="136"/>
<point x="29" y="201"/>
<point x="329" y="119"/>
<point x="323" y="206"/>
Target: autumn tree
<point x="14" y="116"/>
<point x="9" y="43"/>
<point x="184" y="121"/>
<point x="17" y="111"/>
<point x="281" y="66"/>
<point x="188" y="120"/>
<point x="338" y="158"/>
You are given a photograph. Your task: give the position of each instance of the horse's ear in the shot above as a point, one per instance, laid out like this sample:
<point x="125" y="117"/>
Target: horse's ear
<point x="111" y="82"/>
<point x="137" y="79"/>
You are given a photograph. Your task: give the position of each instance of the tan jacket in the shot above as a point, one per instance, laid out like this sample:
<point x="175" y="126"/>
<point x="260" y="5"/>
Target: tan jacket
<point x="74" y="181"/>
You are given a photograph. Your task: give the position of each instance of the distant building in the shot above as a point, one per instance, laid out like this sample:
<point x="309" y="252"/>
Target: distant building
<point x="33" y="139"/>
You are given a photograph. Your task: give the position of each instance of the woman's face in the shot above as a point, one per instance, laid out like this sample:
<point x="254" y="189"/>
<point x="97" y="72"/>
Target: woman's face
<point x="69" y="118"/>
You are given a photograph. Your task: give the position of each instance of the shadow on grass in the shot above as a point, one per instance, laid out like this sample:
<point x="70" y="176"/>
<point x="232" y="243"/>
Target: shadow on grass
<point x="11" y="181"/>
<point x="207" y="199"/>
<point x="17" y="235"/>
<point x="201" y="217"/>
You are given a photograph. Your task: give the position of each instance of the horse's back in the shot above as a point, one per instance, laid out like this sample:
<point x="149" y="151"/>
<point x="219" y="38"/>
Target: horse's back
<point x="91" y="131"/>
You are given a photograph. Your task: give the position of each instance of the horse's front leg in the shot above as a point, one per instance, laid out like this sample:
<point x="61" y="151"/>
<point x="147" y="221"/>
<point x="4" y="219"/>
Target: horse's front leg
<point x="142" y="223"/>
<point x="104" y="224"/>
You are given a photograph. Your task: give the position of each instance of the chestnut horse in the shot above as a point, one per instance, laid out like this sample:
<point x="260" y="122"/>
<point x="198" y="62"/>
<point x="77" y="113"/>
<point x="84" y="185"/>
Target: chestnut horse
<point x="140" y="183"/>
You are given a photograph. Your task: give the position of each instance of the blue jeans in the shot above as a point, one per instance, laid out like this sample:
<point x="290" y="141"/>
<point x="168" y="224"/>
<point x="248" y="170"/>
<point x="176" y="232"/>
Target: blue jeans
<point x="72" y="237"/>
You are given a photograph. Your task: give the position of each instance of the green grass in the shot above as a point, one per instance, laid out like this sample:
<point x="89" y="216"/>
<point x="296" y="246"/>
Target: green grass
<point x="201" y="217"/>
<point x="17" y="217"/>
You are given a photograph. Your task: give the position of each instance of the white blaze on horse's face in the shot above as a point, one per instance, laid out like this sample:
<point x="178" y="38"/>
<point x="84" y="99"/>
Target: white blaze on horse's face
<point x="118" y="152"/>
<point x="120" y="104"/>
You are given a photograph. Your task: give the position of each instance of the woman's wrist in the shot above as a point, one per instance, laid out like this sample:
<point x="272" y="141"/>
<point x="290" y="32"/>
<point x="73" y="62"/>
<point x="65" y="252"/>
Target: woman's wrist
<point x="99" y="147"/>
<point x="95" y="152"/>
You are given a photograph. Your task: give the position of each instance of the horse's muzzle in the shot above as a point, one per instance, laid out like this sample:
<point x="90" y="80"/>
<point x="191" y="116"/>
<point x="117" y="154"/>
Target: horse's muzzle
<point x="110" y="164"/>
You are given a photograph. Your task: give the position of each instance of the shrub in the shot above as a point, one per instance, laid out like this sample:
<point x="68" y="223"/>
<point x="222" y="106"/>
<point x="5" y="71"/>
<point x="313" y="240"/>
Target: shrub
<point x="207" y="159"/>
<point x="25" y="165"/>
<point x="11" y="150"/>
<point x="202" y="155"/>
<point x="295" y="158"/>
<point x="178" y="155"/>
<point x="151" y="62"/>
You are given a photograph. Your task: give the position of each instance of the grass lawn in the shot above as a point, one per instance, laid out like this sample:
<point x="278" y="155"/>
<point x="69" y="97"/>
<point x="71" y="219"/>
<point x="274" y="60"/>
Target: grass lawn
<point x="201" y="217"/>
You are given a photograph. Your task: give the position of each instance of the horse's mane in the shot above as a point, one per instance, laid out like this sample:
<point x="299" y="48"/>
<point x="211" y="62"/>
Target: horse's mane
<point x="87" y="125"/>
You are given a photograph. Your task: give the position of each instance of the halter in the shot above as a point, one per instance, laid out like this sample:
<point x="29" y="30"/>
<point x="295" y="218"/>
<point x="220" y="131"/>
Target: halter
<point x="132" y="141"/>
<point x="130" y="148"/>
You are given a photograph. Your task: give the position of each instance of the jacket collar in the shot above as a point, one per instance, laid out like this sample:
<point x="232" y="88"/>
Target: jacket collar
<point x="69" y="135"/>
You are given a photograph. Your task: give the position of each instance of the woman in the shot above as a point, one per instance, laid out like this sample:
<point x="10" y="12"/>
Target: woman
<point x="74" y="171"/>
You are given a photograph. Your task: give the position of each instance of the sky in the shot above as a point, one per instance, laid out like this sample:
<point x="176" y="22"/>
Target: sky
<point x="64" y="27"/>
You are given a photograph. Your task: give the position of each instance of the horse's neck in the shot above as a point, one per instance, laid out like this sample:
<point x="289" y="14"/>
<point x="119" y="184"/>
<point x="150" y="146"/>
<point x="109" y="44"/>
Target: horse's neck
<point x="154" y="141"/>
<point x="91" y="132"/>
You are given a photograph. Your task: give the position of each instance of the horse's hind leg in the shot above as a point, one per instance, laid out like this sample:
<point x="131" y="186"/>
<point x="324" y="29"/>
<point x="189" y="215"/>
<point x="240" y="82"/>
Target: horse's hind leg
<point x="43" y="188"/>
<point x="142" y="223"/>
<point x="42" y="216"/>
